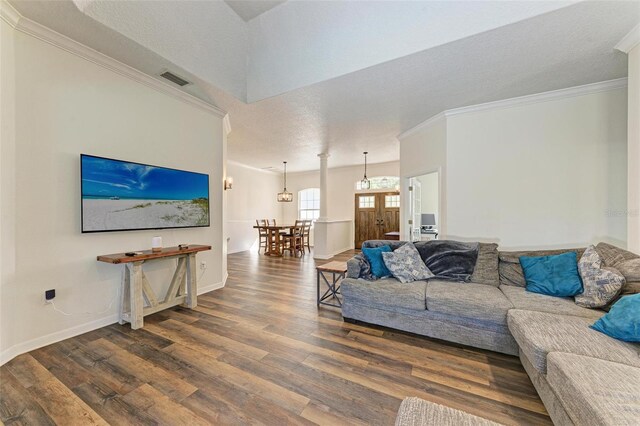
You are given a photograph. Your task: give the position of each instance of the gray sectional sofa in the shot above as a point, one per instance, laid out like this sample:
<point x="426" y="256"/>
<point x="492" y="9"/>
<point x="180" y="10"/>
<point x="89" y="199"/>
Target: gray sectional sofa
<point x="581" y="375"/>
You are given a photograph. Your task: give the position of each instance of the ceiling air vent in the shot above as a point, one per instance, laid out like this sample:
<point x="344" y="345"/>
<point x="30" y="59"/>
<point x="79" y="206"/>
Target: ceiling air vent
<point x="174" y="78"/>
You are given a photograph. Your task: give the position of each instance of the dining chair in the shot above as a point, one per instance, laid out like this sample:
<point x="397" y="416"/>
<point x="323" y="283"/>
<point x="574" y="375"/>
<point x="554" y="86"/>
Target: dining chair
<point x="293" y="241"/>
<point x="306" y="235"/>
<point x="263" y="236"/>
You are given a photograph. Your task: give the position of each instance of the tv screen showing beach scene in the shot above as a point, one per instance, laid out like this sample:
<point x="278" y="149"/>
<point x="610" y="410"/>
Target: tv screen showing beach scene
<point x="124" y="196"/>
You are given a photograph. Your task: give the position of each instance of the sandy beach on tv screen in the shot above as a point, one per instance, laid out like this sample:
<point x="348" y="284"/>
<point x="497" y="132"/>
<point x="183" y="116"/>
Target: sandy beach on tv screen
<point x="114" y="214"/>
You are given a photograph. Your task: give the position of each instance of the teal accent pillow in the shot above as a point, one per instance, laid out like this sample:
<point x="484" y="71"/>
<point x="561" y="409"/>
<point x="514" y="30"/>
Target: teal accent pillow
<point x="374" y="256"/>
<point x="623" y="320"/>
<point x="555" y="275"/>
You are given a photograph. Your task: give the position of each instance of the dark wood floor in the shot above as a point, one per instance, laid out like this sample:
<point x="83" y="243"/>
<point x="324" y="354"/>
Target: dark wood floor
<point x="258" y="352"/>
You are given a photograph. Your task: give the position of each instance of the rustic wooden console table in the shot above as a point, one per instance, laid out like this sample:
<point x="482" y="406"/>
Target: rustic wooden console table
<point x="135" y="288"/>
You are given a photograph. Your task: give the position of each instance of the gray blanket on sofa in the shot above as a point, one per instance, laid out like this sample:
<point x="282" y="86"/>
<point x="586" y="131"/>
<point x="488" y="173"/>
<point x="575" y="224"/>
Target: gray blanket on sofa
<point x="448" y="260"/>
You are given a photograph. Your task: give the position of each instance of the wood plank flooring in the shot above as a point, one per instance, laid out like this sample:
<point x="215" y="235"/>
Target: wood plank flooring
<point x="258" y="352"/>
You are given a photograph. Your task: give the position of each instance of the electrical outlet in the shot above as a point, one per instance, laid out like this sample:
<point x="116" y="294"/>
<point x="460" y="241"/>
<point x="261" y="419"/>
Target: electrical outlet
<point x="203" y="265"/>
<point x="49" y="295"/>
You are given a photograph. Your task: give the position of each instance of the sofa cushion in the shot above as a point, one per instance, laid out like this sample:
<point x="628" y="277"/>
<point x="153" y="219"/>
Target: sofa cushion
<point x="486" y="269"/>
<point x="630" y="269"/>
<point x="539" y="333"/>
<point x="418" y="412"/>
<point x="601" y="283"/>
<point x="612" y="255"/>
<point x="386" y="292"/>
<point x="478" y="301"/>
<point x="594" y="391"/>
<point x="393" y="244"/>
<point x="509" y="267"/>
<point x="522" y="299"/>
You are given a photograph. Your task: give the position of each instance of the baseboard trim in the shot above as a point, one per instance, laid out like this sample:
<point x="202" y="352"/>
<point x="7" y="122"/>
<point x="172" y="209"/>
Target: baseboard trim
<point x="238" y="251"/>
<point x="30" y="345"/>
<point x="39" y="342"/>
<point x="211" y="287"/>
<point x="329" y="256"/>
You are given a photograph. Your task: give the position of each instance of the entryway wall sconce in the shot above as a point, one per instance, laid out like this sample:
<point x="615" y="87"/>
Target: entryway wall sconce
<point x="228" y="183"/>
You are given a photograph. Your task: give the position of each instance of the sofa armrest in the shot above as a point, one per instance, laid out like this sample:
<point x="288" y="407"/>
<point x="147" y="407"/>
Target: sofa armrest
<point x="358" y="267"/>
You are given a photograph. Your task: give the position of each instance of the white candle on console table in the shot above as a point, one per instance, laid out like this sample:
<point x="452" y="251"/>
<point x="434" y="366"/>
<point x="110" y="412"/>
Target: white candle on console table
<point x="156" y="244"/>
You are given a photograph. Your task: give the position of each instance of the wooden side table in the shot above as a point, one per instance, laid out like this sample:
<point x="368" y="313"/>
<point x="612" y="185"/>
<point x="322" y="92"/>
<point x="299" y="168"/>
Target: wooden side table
<point x="338" y="271"/>
<point x="135" y="287"/>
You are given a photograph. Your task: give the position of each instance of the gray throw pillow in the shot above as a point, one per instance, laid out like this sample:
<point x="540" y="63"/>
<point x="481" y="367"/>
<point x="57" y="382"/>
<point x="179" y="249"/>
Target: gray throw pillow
<point x="486" y="269"/>
<point x="631" y="270"/>
<point x="406" y="264"/>
<point x="601" y="284"/>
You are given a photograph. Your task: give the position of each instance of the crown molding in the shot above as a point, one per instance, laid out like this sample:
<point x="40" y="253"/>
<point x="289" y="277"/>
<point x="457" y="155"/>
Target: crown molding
<point x="553" y="95"/>
<point x="226" y="122"/>
<point x="569" y="92"/>
<point x="9" y="14"/>
<point x="631" y="40"/>
<point x="255" y="169"/>
<point x="34" y="29"/>
<point x="426" y="123"/>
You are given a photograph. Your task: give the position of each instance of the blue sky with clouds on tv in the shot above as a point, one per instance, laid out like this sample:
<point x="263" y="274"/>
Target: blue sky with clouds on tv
<point x="107" y="178"/>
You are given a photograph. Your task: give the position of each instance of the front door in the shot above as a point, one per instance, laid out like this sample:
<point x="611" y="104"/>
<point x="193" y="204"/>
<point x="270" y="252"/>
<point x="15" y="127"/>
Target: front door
<point x="376" y="214"/>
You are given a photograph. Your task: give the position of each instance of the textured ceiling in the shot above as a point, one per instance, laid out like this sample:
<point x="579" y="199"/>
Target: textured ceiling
<point x="249" y="9"/>
<point x="367" y="109"/>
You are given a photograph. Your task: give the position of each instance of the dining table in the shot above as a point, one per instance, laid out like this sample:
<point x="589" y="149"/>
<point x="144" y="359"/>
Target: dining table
<point x="274" y="233"/>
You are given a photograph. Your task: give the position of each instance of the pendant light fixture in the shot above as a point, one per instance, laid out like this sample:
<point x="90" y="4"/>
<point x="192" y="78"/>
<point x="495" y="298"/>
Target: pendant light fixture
<point x="285" y="196"/>
<point x="365" y="183"/>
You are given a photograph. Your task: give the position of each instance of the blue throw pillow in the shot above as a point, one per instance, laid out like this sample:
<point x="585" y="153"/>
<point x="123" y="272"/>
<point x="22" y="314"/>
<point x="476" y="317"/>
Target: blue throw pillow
<point x="552" y="275"/>
<point x="623" y="320"/>
<point x="374" y="256"/>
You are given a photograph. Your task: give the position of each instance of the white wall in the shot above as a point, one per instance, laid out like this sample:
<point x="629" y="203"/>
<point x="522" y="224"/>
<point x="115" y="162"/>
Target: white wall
<point x="332" y="237"/>
<point x="7" y="182"/>
<point x="540" y="175"/>
<point x="430" y="193"/>
<point x="66" y="105"/>
<point x="341" y="183"/>
<point x="547" y="171"/>
<point x="341" y="187"/>
<point x="253" y="197"/>
<point x="633" y="168"/>
<point x="422" y="151"/>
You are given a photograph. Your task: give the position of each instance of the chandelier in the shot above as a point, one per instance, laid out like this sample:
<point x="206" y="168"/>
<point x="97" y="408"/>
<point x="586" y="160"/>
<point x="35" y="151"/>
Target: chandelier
<point x="365" y="183"/>
<point x="285" y="196"/>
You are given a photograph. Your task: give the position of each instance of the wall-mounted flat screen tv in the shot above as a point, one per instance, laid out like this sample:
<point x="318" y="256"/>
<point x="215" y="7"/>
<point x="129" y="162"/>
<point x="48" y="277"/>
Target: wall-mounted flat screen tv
<point x="124" y="196"/>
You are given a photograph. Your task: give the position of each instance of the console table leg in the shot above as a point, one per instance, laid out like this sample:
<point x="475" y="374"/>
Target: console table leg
<point x="135" y="294"/>
<point x="124" y="295"/>
<point x="192" y="285"/>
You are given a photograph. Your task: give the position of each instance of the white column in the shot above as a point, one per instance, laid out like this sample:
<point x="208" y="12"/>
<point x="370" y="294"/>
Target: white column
<point x="324" y="215"/>
<point x="321" y="227"/>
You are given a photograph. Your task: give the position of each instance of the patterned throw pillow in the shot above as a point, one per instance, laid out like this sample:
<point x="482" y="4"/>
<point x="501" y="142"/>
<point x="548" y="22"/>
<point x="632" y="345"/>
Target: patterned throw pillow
<point x="406" y="264"/>
<point x="601" y="284"/>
